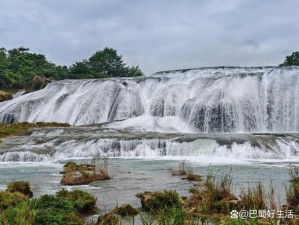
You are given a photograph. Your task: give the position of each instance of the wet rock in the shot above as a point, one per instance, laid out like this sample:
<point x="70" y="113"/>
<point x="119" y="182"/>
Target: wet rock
<point x="8" y="118"/>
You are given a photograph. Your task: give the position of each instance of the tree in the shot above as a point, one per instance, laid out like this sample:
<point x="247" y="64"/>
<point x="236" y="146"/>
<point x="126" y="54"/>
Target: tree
<point x="80" y="70"/>
<point x="107" y="62"/>
<point x="19" y="67"/>
<point x="291" y="60"/>
<point x="104" y="63"/>
<point x="134" y="71"/>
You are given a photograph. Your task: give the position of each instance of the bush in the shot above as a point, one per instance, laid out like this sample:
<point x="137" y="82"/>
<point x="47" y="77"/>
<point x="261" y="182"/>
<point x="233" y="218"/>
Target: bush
<point x="82" y="201"/>
<point x="51" y="210"/>
<point x="79" y="174"/>
<point x="10" y="199"/>
<point x="126" y="210"/>
<point x="22" y="187"/>
<point x="253" y="198"/>
<point x="107" y="219"/>
<point x="20" y="214"/>
<point x="193" y="177"/>
<point x="153" y="201"/>
<point x="292" y="192"/>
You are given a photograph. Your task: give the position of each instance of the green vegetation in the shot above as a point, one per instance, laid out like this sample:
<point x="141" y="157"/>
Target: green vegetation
<point x="254" y="198"/>
<point x="74" y="174"/>
<point x="210" y="202"/>
<point x="11" y="199"/>
<point x="108" y="219"/>
<point x="291" y="60"/>
<point x="105" y="63"/>
<point x="155" y="201"/>
<point x="14" y="129"/>
<point x="82" y="201"/>
<point x="292" y="191"/>
<point x="20" y="214"/>
<point x="182" y="170"/>
<point x="20" y="69"/>
<point x="193" y="177"/>
<point x="20" y="186"/>
<point x="63" y="208"/>
<point x="52" y="210"/>
<point x="125" y="210"/>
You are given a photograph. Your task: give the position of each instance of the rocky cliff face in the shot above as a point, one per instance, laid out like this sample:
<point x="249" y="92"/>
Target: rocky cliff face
<point x="4" y="96"/>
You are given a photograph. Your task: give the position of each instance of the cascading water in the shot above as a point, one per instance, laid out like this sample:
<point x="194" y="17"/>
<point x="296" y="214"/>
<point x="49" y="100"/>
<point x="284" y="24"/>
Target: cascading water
<point x="200" y="100"/>
<point x="54" y="144"/>
<point x="173" y="114"/>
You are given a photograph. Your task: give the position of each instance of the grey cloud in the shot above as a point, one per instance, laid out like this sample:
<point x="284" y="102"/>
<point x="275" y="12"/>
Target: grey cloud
<point x="156" y="35"/>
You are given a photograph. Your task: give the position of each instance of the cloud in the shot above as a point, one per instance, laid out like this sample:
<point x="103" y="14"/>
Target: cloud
<point x="156" y="35"/>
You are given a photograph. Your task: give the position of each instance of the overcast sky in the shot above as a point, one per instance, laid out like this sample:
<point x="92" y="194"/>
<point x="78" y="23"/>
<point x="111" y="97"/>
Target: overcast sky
<point x="155" y="34"/>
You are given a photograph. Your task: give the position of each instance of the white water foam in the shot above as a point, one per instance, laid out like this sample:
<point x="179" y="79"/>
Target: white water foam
<point x="204" y="149"/>
<point x="208" y="100"/>
<point x="25" y="156"/>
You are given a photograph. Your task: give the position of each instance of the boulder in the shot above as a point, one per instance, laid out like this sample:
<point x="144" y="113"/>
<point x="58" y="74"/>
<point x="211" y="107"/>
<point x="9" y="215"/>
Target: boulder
<point x="4" y="96"/>
<point x="38" y="82"/>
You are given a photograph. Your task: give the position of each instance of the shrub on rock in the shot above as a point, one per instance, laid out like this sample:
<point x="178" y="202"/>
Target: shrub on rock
<point x="126" y="210"/>
<point x="11" y="199"/>
<point x="52" y="210"/>
<point x="108" y="219"/>
<point x="82" y="201"/>
<point x="152" y="201"/>
<point x="22" y="187"/>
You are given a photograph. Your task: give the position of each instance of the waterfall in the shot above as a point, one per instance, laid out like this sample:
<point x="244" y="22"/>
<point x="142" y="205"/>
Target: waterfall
<point x="206" y="100"/>
<point x="54" y="144"/>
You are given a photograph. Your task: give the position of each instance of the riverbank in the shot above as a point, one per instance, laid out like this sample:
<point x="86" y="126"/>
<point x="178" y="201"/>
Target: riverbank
<point x="132" y="176"/>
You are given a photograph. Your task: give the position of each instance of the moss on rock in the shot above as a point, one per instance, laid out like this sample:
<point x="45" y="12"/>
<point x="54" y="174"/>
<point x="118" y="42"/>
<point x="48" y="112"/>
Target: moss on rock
<point x="126" y="210"/>
<point x="22" y="187"/>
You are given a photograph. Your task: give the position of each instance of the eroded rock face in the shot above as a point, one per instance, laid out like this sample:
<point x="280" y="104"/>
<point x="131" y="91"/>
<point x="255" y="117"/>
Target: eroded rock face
<point x="8" y="118"/>
<point x="4" y="96"/>
<point x="38" y="82"/>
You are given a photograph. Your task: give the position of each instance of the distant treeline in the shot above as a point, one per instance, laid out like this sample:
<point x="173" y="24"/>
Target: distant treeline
<point x="19" y="68"/>
<point x="291" y="60"/>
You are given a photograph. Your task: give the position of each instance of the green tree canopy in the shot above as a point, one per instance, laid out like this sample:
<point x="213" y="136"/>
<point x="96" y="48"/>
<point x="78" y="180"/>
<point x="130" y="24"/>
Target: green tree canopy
<point x="291" y="60"/>
<point x="104" y="63"/>
<point x="18" y="67"/>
